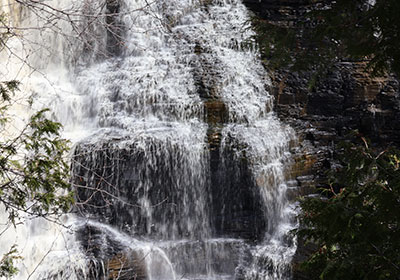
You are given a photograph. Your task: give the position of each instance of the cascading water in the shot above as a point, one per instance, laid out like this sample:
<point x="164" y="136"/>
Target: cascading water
<point x="179" y="161"/>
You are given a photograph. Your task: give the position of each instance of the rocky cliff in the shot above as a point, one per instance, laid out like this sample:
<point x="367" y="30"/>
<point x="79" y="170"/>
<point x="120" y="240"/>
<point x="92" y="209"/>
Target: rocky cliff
<point x="348" y="98"/>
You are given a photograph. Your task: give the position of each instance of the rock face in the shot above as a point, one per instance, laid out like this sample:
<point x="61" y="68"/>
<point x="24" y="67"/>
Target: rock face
<point x="127" y="266"/>
<point x="278" y="10"/>
<point x="347" y="98"/>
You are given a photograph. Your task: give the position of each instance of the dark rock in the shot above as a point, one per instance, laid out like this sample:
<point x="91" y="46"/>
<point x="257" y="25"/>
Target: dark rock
<point x="236" y="201"/>
<point x="347" y="98"/>
<point x="115" y="28"/>
<point x="234" y="198"/>
<point x="127" y="266"/>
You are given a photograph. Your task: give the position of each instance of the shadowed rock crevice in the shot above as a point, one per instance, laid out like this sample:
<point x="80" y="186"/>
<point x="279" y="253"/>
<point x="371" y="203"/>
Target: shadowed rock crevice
<point x="237" y="203"/>
<point x="115" y="28"/>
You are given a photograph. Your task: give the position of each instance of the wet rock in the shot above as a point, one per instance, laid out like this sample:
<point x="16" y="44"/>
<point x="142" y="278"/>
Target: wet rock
<point x="223" y="255"/>
<point x="115" y="28"/>
<point x="216" y="112"/>
<point x="127" y="266"/>
<point x="236" y="201"/>
<point x="153" y="180"/>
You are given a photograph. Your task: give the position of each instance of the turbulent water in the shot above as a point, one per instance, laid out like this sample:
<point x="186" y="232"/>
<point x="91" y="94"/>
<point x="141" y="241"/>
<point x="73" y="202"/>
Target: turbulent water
<point x="179" y="162"/>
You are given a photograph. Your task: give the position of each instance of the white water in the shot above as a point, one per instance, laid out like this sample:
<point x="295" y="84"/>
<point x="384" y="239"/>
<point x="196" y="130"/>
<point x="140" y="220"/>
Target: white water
<point x="143" y="104"/>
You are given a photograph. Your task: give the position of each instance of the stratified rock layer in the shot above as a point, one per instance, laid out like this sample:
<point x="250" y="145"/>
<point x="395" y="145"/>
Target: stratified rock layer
<point x="348" y="98"/>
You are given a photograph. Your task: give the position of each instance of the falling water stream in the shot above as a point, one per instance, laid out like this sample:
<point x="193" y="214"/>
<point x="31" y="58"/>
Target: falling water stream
<point x="179" y="162"/>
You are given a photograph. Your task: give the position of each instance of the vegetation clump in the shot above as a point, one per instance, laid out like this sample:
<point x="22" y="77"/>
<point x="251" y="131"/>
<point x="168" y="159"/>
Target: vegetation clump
<point x="34" y="173"/>
<point x="355" y="224"/>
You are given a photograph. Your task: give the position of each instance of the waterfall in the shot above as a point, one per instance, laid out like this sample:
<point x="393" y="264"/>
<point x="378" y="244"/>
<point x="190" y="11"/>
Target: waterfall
<point x="179" y="162"/>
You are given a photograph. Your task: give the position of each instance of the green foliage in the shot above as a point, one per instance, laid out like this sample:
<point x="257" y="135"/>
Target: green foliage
<point x="33" y="170"/>
<point x="34" y="174"/>
<point x="4" y="30"/>
<point x="334" y="31"/>
<point x="357" y="227"/>
<point x="7" y="88"/>
<point x="7" y="268"/>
